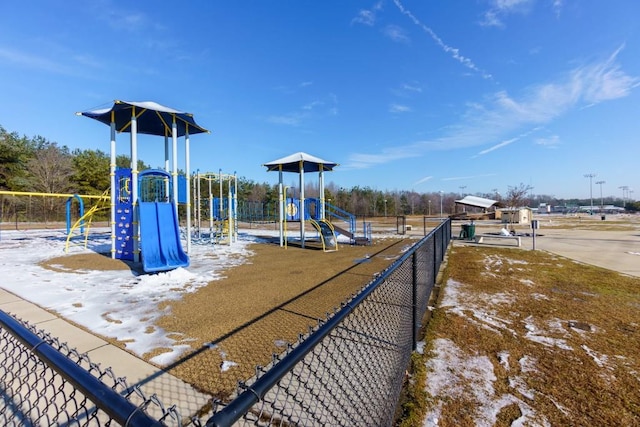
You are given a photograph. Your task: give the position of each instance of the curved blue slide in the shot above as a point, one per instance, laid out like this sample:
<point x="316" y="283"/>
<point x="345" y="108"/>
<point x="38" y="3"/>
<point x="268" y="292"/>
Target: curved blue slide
<point x="160" y="238"/>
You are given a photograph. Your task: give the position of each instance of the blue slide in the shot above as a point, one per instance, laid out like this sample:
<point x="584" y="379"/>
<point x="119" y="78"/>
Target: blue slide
<point x="160" y="238"/>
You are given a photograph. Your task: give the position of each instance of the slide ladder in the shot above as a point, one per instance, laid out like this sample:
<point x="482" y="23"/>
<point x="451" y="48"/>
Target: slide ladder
<point x="160" y="237"/>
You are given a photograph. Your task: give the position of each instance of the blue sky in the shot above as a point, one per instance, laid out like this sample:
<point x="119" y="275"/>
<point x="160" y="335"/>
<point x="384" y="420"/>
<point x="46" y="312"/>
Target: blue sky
<point x="460" y="96"/>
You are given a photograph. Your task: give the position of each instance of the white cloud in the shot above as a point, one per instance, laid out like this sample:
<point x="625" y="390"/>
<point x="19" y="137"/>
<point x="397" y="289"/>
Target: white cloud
<point x="76" y="65"/>
<point x="550" y="142"/>
<point x="490" y="19"/>
<point x="31" y="61"/>
<point x="412" y="88"/>
<point x="501" y="9"/>
<point x="292" y="119"/>
<point x="365" y="161"/>
<point x="328" y="107"/>
<point x="605" y="81"/>
<point x="509" y="6"/>
<point x="396" y="33"/>
<point x="397" y="108"/>
<point x="312" y="105"/>
<point x="121" y="19"/>
<point x="502" y="114"/>
<point x="557" y="7"/>
<point x="367" y="16"/>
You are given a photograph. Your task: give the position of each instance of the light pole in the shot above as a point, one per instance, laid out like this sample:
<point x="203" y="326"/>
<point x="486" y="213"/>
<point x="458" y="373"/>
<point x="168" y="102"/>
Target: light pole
<point x="624" y="188"/>
<point x="385" y="208"/>
<point x="429" y="207"/>
<point x="601" y="199"/>
<point x="590" y="176"/>
<point x="441" y="193"/>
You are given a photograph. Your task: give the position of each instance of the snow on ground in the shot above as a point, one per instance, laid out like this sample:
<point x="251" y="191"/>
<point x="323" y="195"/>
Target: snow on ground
<point x="118" y="304"/>
<point x="455" y="374"/>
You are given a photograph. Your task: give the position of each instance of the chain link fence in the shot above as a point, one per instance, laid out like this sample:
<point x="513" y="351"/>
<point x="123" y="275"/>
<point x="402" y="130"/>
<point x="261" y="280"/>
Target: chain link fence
<point x="350" y="370"/>
<point x="43" y="382"/>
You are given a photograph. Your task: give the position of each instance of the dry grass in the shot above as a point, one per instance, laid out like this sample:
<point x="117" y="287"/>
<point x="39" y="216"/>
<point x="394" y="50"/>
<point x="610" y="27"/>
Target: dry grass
<point x="562" y="337"/>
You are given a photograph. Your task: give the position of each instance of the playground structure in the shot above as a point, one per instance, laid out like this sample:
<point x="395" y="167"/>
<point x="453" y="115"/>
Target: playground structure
<point x="159" y="227"/>
<point x="314" y="211"/>
<point x="83" y="223"/>
<point x="84" y="219"/>
<point x="215" y="217"/>
<point x="257" y="212"/>
<point x="154" y="223"/>
<point x="51" y="206"/>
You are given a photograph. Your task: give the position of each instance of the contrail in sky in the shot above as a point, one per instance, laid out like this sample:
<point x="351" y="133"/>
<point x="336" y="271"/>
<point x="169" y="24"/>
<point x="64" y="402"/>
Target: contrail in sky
<point x="454" y="52"/>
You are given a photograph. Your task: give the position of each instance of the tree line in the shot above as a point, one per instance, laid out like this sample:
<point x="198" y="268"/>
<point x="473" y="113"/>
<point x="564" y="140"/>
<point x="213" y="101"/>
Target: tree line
<point x="36" y="164"/>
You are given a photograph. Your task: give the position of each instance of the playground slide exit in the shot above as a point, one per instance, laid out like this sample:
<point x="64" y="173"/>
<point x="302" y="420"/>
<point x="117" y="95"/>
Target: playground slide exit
<point x="160" y="238"/>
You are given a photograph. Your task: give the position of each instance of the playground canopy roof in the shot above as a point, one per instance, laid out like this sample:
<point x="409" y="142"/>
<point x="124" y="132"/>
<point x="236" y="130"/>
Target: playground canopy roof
<point x="151" y="118"/>
<point x="477" y="202"/>
<point x="294" y="163"/>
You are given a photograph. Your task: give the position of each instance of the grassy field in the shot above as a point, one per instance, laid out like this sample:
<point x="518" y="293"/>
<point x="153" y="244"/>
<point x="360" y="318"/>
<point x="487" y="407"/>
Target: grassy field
<point x="529" y="338"/>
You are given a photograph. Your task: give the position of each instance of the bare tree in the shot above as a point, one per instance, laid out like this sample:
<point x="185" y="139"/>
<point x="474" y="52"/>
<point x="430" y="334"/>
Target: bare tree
<point x="517" y="195"/>
<point x="515" y="198"/>
<point x="50" y="171"/>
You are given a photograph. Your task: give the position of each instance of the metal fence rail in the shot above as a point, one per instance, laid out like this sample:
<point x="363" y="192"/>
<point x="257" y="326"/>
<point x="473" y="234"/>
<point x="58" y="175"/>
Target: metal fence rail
<point x="45" y="383"/>
<point x="349" y="371"/>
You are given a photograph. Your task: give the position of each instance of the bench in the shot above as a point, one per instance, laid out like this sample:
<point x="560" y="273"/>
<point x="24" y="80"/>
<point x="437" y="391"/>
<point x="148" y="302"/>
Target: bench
<point x="479" y="238"/>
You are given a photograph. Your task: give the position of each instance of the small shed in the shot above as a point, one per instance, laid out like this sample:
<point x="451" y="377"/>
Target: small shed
<point x="476" y="202"/>
<point x="515" y="216"/>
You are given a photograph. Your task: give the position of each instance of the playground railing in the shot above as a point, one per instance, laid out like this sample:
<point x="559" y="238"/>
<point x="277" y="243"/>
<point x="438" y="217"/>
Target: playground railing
<point x="349" y="371"/>
<point x="334" y="212"/>
<point x="368" y="231"/>
<point x="44" y="383"/>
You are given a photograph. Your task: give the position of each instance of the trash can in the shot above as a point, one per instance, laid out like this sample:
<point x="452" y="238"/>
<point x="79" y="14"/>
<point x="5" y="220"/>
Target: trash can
<point x="603" y="217"/>
<point x="471" y="231"/>
<point x="464" y="233"/>
<point x="468" y="231"/>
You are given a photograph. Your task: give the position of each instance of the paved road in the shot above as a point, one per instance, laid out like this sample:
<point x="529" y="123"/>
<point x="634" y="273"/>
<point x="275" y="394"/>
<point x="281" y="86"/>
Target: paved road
<point x="614" y="250"/>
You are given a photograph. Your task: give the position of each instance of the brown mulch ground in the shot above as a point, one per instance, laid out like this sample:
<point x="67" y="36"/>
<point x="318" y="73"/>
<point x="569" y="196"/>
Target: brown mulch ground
<point x="258" y="308"/>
